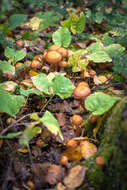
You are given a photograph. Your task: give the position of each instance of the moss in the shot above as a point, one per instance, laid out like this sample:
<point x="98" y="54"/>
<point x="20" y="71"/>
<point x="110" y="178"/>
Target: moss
<point x="113" y="148"/>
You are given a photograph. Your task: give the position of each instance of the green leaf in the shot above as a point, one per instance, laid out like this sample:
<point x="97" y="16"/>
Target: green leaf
<point x="52" y="124"/>
<point x="41" y="20"/>
<point x="95" y="47"/>
<point x="99" y="17"/>
<point x="27" y="92"/>
<point x="34" y="116"/>
<point x="28" y="134"/>
<point x="115" y="50"/>
<point x="42" y="83"/>
<point x="66" y="23"/>
<point x="14" y="55"/>
<point x="77" y="62"/>
<point x="78" y="23"/>
<point x="9" y="52"/>
<point x="99" y="56"/>
<point x="99" y="102"/>
<point x="10" y="103"/>
<point x="16" y="20"/>
<point x="11" y="135"/>
<point x="62" y="86"/>
<point x="75" y="23"/>
<point x="6" y="67"/>
<point x="62" y="37"/>
<point x="19" y="55"/>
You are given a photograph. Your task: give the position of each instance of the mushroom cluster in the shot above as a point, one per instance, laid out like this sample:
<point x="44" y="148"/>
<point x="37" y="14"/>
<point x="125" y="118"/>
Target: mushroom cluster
<point x="57" y="56"/>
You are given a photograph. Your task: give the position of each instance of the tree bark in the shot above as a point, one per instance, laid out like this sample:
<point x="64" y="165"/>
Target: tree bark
<point x="113" y="148"/>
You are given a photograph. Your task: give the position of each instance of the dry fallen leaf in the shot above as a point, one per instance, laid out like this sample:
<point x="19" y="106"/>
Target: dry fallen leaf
<point x="73" y="154"/>
<point x="27" y="83"/>
<point x="55" y="173"/>
<point x="60" y="186"/>
<point x="87" y="149"/>
<point x="75" y="177"/>
<point x="61" y="118"/>
<point x="33" y="73"/>
<point x="23" y="150"/>
<point x="99" y="79"/>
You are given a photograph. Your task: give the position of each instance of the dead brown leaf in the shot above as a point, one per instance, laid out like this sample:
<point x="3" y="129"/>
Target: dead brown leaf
<point x="75" y="177"/>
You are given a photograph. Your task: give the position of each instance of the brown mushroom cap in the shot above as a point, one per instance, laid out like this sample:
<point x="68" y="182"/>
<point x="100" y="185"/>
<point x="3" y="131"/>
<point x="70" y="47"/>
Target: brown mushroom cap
<point x="36" y="64"/>
<point x="53" y="57"/>
<point x="100" y="161"/>
<point x="62" y="64"/>
<point x="19" y="64"/>
<point x="83" y="84"/>
<point x="92" y="73"/>
<point x="62" y="51"/>
<point x="53" y="47"/>
<point x="81" y="92"/>
<point x="76" y="120"/>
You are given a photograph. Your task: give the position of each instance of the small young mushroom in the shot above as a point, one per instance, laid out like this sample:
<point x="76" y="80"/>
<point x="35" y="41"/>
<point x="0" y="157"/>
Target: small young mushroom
<point x="81" y="92"/>
<point x="35" y="64"/>
<point x="92" y="73"/>
<point x="53" y="57"/>
<point x="18" y="64"/>
<point x="77" y="122"/>
<point x="100" y="160"/>
<point x="62" y="65"/>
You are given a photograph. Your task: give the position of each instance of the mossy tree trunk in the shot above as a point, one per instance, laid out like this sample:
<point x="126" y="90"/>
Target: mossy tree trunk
<point x="113" y="148"/>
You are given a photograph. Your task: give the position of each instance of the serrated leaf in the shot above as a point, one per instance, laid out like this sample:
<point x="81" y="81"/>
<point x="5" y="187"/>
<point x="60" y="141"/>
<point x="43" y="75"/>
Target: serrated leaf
<point x="28" y="134"/>
<point x="99" y="56"/>
<point x="77" y="62"/>
<point x="51" y="16"/>
<point x="99" y="102"/>
<point x="62" y="86"/>
<point x="42" y="83"/>
<point x="6" y="67"/>
<point x="75" y="23"/>
<point x="62" y="37"/>
<point x="78" y="23"/>
<point x="66" y="23"/>
<point x="115" y="50"/>
<point x="10" y="103"/>
<point x="16" y="20"/>
<point x="98" y="46"/>
<point x="52" y="124"/>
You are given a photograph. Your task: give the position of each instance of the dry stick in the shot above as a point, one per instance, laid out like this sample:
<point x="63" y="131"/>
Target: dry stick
<point x="46" y="104"/>
<point x="13" y="124"/>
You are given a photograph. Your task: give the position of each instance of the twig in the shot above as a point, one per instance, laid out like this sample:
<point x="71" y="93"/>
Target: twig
<point x="46" y="104"/>
<point x="14" y="124"/>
